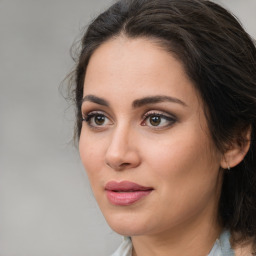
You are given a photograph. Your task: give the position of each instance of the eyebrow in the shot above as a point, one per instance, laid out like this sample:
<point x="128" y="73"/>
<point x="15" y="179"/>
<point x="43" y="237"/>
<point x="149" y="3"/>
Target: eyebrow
<point x="156" y="99"/>
<point x="95" y="99"/>
<point x="136" y="103"/>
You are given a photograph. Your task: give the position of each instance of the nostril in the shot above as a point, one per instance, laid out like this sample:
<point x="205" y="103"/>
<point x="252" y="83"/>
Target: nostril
<point x="120" y="159"/>
<point x="118" y="166"/>
<point x="124" y="165"/>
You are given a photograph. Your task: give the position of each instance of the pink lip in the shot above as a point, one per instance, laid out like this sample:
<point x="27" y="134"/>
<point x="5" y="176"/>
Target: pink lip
<point x="125" y="193"/>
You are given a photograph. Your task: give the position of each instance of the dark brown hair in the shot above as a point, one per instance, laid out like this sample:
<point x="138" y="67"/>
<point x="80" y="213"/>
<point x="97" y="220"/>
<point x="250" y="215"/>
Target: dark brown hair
<point x="219" y="57"/>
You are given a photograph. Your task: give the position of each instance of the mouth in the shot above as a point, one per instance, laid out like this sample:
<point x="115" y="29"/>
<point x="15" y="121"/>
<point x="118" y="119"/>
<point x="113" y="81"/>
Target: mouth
<point x="125" y="193"/>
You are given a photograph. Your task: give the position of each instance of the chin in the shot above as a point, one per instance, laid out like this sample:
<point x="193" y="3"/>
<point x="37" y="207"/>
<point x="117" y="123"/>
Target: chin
<point x="130" y="230"/>
<point x="127" y="225"/>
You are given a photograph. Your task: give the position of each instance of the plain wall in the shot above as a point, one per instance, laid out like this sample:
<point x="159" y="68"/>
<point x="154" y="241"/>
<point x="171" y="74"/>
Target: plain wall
<point x="46" y="204"/>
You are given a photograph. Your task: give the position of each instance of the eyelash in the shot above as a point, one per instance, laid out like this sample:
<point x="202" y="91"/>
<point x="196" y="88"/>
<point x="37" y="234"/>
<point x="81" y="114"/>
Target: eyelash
<point x="170" y="119"/>
<point x="88" y="118"/>
<point x="167" y="117"/>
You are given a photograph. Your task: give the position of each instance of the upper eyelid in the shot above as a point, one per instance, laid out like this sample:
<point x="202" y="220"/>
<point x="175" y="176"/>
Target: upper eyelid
<point x="91" y="112"/>
<point x="159" y="112"/>
<point x="168" y="117"/>
<point x="88" y="106"/>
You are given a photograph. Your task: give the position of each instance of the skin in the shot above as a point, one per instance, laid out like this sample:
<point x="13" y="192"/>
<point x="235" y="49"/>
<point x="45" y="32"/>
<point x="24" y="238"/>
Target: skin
<point x="177" y="158"/>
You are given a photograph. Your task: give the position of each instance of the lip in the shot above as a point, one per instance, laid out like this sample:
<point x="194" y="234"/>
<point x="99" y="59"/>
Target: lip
<point x="125" y="193"/>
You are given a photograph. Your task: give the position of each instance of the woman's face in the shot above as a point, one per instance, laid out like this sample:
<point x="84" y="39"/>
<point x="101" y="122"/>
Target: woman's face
<point x="144" y="142"/>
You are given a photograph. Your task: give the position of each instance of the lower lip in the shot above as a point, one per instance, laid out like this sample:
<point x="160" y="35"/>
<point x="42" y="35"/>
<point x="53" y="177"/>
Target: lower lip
<point x="126" y="198"/>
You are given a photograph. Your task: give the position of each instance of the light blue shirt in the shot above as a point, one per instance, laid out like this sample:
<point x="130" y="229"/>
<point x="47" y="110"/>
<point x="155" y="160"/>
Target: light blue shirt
<point x="221" y="247"/>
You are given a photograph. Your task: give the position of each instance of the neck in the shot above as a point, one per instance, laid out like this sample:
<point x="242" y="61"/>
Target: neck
<point x="190" y="239"/>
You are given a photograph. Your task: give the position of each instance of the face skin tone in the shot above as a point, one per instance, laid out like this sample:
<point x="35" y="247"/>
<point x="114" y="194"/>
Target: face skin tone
<point x="144" y="123"/>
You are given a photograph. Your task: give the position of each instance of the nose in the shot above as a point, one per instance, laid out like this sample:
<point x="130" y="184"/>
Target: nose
<point x="122" y="152"/>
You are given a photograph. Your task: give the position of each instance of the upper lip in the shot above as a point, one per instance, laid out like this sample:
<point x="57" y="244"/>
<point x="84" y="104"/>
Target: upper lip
<point x="125" y="186"/>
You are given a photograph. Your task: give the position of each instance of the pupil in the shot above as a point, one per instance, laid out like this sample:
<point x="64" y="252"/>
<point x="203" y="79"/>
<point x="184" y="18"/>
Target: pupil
<point x="99" y="119"/>
<point x="155" y="120"/>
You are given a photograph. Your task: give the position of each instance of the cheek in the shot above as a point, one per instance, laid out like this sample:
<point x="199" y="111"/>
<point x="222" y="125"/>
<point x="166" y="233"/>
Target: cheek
<point x="184" y="162"/>
<point x="91" y="156"/>
<point x="175" y="151"/>
<point x="185" y="176"/>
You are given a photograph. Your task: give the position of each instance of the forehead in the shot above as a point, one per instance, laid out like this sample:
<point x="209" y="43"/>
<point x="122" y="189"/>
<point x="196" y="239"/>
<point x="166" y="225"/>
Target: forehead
<point x="139" y="67"/>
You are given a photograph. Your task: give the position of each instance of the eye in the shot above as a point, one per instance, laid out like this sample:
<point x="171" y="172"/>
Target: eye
<point x="158" y="120"/>
<point x="97" y="119"/>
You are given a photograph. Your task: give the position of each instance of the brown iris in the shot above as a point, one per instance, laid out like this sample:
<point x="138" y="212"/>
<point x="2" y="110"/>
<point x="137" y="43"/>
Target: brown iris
<point x="99" y="119"/>
<point x="155" y="120"/>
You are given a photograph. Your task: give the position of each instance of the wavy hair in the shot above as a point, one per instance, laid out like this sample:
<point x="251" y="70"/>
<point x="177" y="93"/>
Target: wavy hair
<point x="219" y="57"/>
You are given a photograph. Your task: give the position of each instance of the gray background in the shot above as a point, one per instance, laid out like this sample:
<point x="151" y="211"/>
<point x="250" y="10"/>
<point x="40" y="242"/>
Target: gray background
<point x="46" y="205"/>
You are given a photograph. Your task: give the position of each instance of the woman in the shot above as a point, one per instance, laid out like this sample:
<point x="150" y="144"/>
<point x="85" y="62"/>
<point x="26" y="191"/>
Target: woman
<point x="165" y="94"/>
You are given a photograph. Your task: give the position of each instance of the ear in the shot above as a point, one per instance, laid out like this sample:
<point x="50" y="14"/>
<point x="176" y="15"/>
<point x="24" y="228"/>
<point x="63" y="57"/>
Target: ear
<point x="237" y="150"/>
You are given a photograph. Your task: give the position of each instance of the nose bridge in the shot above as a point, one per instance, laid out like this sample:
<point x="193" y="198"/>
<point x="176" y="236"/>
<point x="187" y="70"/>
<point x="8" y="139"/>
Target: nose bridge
<point x="119" y="142"/>
<point x="121" y="151"/>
